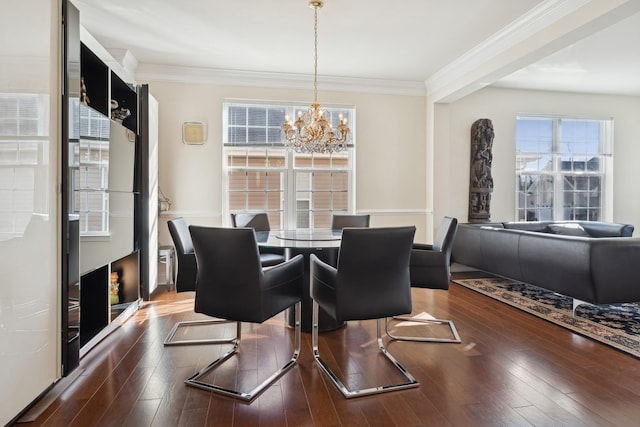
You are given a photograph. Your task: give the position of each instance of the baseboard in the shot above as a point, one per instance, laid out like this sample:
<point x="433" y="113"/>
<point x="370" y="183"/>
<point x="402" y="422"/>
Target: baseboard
<point x="43" y="403"/>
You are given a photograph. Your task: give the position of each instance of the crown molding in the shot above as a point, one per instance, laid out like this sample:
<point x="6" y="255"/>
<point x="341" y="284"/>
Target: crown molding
<point x="552" y="25"/>
<point x="536" y="20"/>
<point x="180" y="74"/>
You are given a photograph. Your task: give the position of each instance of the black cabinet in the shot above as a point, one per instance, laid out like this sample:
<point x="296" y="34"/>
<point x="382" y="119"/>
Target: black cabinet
<point x="94" y="303"/>
<point x="124" y="284"/>
<point x="104" y="91"/>
<point x="70" y="268"/>
<point x="94" y="81"/>
<point x="123" y="103"/>
<point x="71" y="301"/>
<point x="106" y="293"/>
<point x="102" y="188"/>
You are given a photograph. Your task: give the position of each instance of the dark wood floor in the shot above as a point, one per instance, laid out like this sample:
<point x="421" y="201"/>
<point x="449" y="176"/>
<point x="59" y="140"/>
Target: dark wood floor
<point x="512" y="369"/>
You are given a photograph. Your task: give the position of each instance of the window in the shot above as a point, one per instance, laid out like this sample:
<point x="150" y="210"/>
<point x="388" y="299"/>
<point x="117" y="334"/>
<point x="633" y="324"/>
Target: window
<point x="296" y="190"/>
<point x="561" y="168"/>
<point x="24" y="153"/>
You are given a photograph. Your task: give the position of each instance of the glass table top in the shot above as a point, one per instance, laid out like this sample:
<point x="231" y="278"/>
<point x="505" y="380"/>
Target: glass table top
<point x="308" y="235"/>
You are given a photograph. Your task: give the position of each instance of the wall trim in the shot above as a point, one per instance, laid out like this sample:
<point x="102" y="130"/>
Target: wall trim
<point x="198" y="214"/>
<point x="373" y="212"/>
<point x="395" y="212"/>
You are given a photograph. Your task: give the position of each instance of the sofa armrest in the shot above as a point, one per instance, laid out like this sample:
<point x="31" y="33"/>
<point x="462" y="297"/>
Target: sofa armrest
<point x="615" y="269"/>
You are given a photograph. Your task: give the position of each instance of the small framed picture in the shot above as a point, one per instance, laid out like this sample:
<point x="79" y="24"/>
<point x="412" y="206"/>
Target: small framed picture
<point x="194" y="133"/>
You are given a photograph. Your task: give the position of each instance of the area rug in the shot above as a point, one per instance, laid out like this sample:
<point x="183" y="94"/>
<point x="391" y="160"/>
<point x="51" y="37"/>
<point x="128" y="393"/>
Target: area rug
<point x="617" y="325"/>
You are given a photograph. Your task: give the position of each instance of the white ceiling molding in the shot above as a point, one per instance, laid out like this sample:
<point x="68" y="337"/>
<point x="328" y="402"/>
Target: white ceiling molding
<point x="172" y="73"/>
<point x="550" y="26"/>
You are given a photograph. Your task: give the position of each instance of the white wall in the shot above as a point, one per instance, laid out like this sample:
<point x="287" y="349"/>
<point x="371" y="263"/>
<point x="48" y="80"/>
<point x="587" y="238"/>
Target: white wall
<point x="29" y="259"/>
<point x="390" y="154"/>
<point x="452" y="146"/>
<point x="392" y="170"/>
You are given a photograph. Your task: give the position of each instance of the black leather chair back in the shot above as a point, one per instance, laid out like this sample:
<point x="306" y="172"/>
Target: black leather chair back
<point x="187" y="269"/>
<point x="430" y="265"/>
<point x="445" y="236"/>
<point x="231" y="283"/>
<point x="339" y="221"/>
<point x="373" y="273"/>
<point x="257" y="221"/>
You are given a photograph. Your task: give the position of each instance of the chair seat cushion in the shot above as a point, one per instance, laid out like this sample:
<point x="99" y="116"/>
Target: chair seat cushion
<point x="268" y="260"/>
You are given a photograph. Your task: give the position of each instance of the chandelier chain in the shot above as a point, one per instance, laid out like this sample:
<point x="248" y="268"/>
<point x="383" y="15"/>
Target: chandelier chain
<point x="315" y="55"/>
<point x="312" y="130"/>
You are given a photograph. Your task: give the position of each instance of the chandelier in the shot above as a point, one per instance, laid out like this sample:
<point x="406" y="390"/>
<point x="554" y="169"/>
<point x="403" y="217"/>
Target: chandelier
<point x="312" y="131"/>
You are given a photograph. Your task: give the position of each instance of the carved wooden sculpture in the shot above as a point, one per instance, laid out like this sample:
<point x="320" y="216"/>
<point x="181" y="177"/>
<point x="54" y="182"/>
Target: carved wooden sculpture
<point x="480" y="179"/>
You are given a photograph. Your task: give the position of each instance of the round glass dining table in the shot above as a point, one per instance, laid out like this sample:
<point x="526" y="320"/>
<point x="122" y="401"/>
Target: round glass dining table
<point x="324" y="243"/>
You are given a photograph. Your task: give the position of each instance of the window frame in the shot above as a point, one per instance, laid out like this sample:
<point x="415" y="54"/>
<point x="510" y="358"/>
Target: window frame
<point x="289" y="169"/>
<point x="559" y="174"/>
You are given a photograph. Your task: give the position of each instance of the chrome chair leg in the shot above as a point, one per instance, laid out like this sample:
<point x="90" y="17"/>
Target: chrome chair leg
<point x="194" y="380"/>
<point x="410" y="383"/>
<point x="169" y="340"/>
<point x="454" y="331"/>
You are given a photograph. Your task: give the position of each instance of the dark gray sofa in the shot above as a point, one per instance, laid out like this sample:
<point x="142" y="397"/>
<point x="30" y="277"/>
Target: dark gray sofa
<point x="594" y="262"/>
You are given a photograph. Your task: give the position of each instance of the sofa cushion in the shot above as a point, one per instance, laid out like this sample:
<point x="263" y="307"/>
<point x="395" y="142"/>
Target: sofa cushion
<point x="607" y="229"/>
<point x="559" y="263"/>
<point x="568" y="229"/>
<point x="540" y="226"/>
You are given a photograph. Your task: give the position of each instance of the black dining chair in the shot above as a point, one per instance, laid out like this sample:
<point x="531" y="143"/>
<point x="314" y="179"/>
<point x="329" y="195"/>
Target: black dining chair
<point x="259" y="222"/>
<point x="370" y="282"/>
<point x="186" y="281"/>
<point x="430" y="268"/>
<point x="232" y="285"/>
<point x="340" y="221"/>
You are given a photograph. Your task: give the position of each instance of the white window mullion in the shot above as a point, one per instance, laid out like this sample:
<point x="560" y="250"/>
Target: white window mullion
<point x="558" y="187"/>
<point x="290" y="203"/>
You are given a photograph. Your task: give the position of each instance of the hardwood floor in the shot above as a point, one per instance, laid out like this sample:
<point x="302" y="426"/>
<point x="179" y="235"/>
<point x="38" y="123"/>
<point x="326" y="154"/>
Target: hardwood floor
<point x="512" y="369"/>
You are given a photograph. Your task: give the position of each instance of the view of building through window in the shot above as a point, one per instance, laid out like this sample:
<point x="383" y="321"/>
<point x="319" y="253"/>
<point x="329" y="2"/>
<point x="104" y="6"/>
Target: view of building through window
<point x="296" y="190"/>
<point x="560" y="168"/>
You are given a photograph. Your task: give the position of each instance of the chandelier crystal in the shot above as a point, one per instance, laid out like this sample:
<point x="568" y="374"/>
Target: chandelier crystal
<point x="312" y="131"/>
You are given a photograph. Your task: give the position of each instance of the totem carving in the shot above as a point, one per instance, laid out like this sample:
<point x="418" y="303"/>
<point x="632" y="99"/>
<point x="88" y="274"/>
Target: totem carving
<point x="480" y="179"/>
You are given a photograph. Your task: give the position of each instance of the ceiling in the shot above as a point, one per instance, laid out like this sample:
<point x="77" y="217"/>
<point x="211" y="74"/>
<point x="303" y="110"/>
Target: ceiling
<point x="605" y="62"/>
<point x="402" y="41"/>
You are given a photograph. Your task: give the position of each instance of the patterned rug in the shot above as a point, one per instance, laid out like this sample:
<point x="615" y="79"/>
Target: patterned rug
<point x="617" y="325"/>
